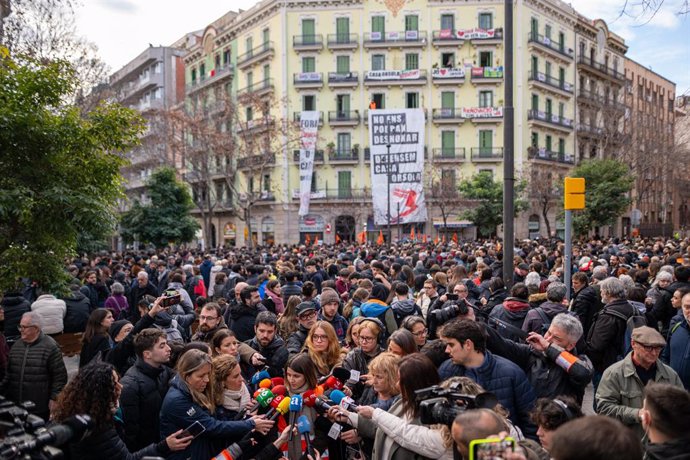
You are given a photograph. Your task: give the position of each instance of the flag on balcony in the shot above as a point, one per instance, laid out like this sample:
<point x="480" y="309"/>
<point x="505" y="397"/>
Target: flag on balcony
<point x="412" y="234"/>
<point x="362" y="237"/>
<point x="455" y="237"/>
<point x="309" y="126"/>
<point x="380" y="240"/>
<point x="307" y="240"/>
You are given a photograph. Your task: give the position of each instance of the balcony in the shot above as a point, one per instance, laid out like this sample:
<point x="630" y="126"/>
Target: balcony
<point x="318" y="156"/>
<point x="342" y="41"/>
<point x="217" y="75"/>
<point x="445" y="154"/>
<point x="307" y="80"/>
<point x="404" y="39"/>
<point x="487" y="154"/>
<point x="343" y="155"/>
<point x="448" y="76"/>
<point x="336" y="118"/>
<point x="541" y="154"/>
<point x="483" y="36"/>
<point x="343" y="79"/>
<point x="483" y="114"/>
<point x="447" y="37"/>
<point x="334" y="194"/>
<point x="256" y="55"/>
<point x="296" y="117"/>
<point x="256" y="161"/>
<point x="600" y="101"/>
<point x="401" y="78"/>
<point x="367" y="153"/>
<point x="490" y="75"/>
<point x="366" y="116"/>
<point x="307" y="42"/>
<point x="601" y="70"/>
<point x="258" y="124"/>
<point x="257" y="89"/>
<point x="549" y="83"/>
<point x="447" y="116"/>
<point x="549" y="120"/>
<point x="550" y="48"/>
<point x="586" y="130"/>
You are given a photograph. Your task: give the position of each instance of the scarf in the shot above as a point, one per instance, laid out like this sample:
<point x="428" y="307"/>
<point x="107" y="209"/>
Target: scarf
<point x="236" y="400"/>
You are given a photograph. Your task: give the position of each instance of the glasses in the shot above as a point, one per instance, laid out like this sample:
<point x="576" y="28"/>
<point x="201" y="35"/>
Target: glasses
<point x="319" y="338"/>
<point x="651" y="348"/>
<point x="307" y="315"/>
<point x="208" y="318"/>
<point x="365" y="339"/>
<point x="22" y="327"/>
<point x="421" y="333"/>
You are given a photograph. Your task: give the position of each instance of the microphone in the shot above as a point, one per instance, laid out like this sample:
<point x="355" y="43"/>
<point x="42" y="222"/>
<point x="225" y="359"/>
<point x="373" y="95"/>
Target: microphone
<point x="295" y="408"/>
<point x="334" y="383"/>
<point x="72" y="429"/>
<point x="275" y="381"/>
<point x="265" y="397"/>
<point x="279" y="390"/>
<point x="282" y="409"/>
<point x="274" y="404"/>
<point x="304" y="428"/>
<point x="340" y="398"/>
<point x="265" y="383"/>
<point x="321" y="404"/>
<point x="259" y="376"/>
<point x="309" y="398"/>
<point x="341" y="374"/>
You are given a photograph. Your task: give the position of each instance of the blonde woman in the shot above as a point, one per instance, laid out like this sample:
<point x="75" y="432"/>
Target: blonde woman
<point x="190" y="399"/>
<point x="323" y="348"/>
<point x="384" y="373"/>
<point x="230" y="392"/>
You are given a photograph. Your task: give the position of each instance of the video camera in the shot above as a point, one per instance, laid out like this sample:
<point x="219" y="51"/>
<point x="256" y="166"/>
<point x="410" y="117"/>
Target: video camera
<point x="24" y="435"/>
<point x="441" y="405"/>
<point x="452" y="308"/>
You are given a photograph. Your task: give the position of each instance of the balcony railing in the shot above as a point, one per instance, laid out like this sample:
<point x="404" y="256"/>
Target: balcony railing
<point x="550" y="118"/>
<point x="601" y="67"/>
<point x="226" y="70"/>
<point x="601" y="100"/>
<point x="479" y="34"/>
<point x="487" y="73"/>
<point x="257" y="53"/>
<point x="447" y="36"/>
<point x="340" y="41"/>
<point x="307" y="79"/>
<point x="344" y="155"/>
<point x="266" y="159"/>
<point x="258" y="87"/>
<point x="402" y="38"/>
<point x="551" y="45"/>
<point x="402" y="76"/>
<point x="487" y="153"/>
<point x="343" y="117"/>
<point x="445" y="153"/>
<point x="307" y="41"/>
<point x="550" y="81"/>
<point x="318" y="156"/>
<point x="447" y="114"/>
<point x="447" y="73"/>
<point x="336" y="194"/>
<point x="345" y="78"/>
<point x="296" y="117"/>
<point x="589" y="129"/>
<point x="547" y="155"/>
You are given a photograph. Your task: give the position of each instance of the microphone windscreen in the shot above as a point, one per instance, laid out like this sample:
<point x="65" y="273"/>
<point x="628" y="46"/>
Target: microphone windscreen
<point x="265" y="383"/>
<point x="265" y="397"/>
<point x="309" y="398"/>
<point x="332" y="382"/>
<point x="284" y="406"/>
<point x="303" y="425"/>
<point x="277" y="400"/>
<point x="279" y="390"/>
<point x="296" y="403"/>
<point x="337" y="396"/>
<point x="319" y="390"/>
<point x="275" y="381"/>
<point x="341" y="374"/>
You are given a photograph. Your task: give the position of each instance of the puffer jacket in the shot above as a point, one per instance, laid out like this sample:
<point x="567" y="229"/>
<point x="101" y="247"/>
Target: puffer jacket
<point x="512" y="311"/>
<point x="78" y="312"/>
<point x="179" y="411"/>
<point x="605" y="338"/>
<point x="143" y="390"/>
<point x="339" y="323"/>
<point x="52" y="313"/>
<point x="35" y="372"/>
<point x="504" y="379"/>
<point x="15" y="305"/>
<point x="295" y="342"/>
<point x="495" y="298"/>
<point x="107" y="444"/>
<point x="677" y="351"/>
<point x="374" y="308"/>
<point x="585" y="304"/>
<point x="404" y="308"/>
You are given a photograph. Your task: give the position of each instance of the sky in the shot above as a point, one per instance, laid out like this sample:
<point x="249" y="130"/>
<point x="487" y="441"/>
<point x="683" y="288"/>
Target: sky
<point x="122" y="29"/>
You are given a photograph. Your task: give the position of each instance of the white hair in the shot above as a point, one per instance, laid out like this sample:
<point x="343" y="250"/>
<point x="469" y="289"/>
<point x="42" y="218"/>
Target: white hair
<point x="34" y="318"/>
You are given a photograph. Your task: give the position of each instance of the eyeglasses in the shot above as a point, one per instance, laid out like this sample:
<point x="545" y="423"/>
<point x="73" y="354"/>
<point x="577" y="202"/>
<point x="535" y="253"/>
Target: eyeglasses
<point x="364" y="338"/>
<point x="208" y="318"/>
<point x="651" y="348"/>
<point x="421" y="333"/>
<point x="307" y="315"/>
<point x="319" y="338"/>
<point x="22" y="327"/>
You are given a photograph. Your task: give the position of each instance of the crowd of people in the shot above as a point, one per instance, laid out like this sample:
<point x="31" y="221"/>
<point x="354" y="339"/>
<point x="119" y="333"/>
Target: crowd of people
<point x="415" y="351"/>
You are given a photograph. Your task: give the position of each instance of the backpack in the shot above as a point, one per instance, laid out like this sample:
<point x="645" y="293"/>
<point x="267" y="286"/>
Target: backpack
<point x="546" y="321"/>
<point x="633" y="321"/>
<point x="172" y="332"/>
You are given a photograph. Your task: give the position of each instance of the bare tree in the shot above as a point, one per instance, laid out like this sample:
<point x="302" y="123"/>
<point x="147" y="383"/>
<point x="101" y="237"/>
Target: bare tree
<point x="644" y="10"/>
<point x="545" y="190"/>
<point x="444" y="192"/>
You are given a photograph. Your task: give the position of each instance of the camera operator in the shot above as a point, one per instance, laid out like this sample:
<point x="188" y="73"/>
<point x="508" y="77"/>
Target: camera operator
<point x="399" y="432"/>
<point x="454" y="304"/>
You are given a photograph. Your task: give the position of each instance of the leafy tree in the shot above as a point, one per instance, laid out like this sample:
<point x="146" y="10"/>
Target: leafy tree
<point x="607" y="185"/>
<point x="60" y="168"/>
<point x="166" y="220"/>
<point x="488" y="196"/>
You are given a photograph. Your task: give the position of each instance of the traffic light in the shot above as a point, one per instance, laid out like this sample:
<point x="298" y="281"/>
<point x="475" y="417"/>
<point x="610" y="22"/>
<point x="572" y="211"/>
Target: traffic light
<point x="574" y="197"/>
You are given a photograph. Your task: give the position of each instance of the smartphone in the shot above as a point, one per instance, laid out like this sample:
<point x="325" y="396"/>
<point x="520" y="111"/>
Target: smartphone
<point x="195" y="429"/>
<point x="171" y="298"/>
<point x="490" y="449"/>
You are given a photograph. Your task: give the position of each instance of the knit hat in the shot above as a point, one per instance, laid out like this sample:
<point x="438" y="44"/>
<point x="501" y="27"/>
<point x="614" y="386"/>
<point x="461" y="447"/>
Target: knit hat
<point x="116" y="327"/>
<point x="329" y="295"/>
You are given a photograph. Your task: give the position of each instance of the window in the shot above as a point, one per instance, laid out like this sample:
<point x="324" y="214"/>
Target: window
<point x="266" y="37"/>
<point x="411" y="61"/>
<point x="549" y="108"/>
<point x="342" y="102"/>
<point x="561" y="41"/>
<point x="202" y="72"/>
<point x="342" y="64"/>
<point x="250" y="79"/>
<point x="486" y="21"/>
<point x="412" y="100"/>
<point x="379" y="99"/>
<point x="486" y="138"/>
<point x="534" y="27"/>
<point x="561" y="111"/>
<point x="267" y="73"/>
<point x="313" y="181"/>
<point x="485" y="59"/>
<point x="411" y="22"/>
<point x="448" y="60"/>
<point x="447" y="22"/>
<point x="342" y="30"/>
<point x="535" y="66"/>
<point x="193" y="75"/>
<point x="226" y="57"/>
<point x="547" y="69"/>
<point x="158" y="67"/>
<point x="447" y="144"/>
<point x="308" y="31"/>
<point x="249" y="45"/>
<point x="561" y="146"/>
<point x="308" y="102"/>
<point x="344" y="144"/>
<point x="216" y="61"/>
<point x="548" y="142"/>
<point x="547" y="31"/>
<point x="378" y="62"/>
<point x="486" y="99"/>
<point x="266" y="183"/>
<point x="250" y="185"/>
<point x="378" y="24"/>
<point x="309" y="64"/>
<point x="561" y="77"/>
<point x="447" y="100"/>
<point x="535" y="140"/>
<point x="249" y="113"/>
<point x="344" y="184"/>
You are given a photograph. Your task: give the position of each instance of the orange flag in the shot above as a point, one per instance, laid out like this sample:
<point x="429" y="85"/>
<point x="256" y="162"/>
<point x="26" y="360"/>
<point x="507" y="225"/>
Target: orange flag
<point x="455" y="238"/>
<point x="436" y="240"/>
<point x="316" y="240"/>
<point x="424" y="238"/>
<point x="412" y="233"/>
<point x="307" y="240"/>
<point x="362" y="237"/>
<point x="337" y="239"/>
<point x="380" y="240"/>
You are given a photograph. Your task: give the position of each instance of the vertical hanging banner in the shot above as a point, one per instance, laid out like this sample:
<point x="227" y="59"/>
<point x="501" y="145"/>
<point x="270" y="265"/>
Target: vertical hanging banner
<point x="308" y="133"/>
<point x="400" y="172"/>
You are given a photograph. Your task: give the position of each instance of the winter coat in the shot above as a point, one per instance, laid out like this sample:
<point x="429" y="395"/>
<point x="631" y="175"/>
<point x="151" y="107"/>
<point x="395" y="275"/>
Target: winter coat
<point x="179" y="411"/>
<point x="15" y="305"/>
<point x="678" y="449"/>
<point x="96" y="348"/>
<point x="276" y="354"/>
<point x="585" y="304"/>
<point x="295" y="342"/>
<point x="504" y="379"/>
<point x="663" y="310"/>
<point x="108" y="444"/>
<point x="122" y="355"/>
<point x="242" y="319"/>
<point x="205" y="269"/>
<point x="620" y="393"/>
<point x="677" y="351"/>
<point x="605" y="339"/>
<point x="52" y="313"/>
<point x="359" y="361"/>
<point x="290" y="289"/>
<point x="544" y="372"/>
<point x="143" y="390"/>
<point x="374" y="308"/>
<point x="78" y="311"/>
<point x="135" y="295"/>
<point x="534" y="321"/>
<point x="512" y="311"/>
<point x="117" y="303"/>
<point x="212" y="279"/>
<point x="495" y="298"/>
<point x="35" y="372"/>
<point x="404" y="308"/>
<point x="411" y="440"/>
<point x="339" y="323"/>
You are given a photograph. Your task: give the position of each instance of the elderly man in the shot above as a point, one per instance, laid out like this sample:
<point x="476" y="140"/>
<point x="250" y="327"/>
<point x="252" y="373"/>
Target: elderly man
<point x="620" y="392"/>
<point x="141" y="288"/>
<point x="35" y="370"/>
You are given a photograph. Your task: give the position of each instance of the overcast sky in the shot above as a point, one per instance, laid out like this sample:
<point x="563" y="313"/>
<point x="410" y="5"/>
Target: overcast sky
<point x="122" y="29"/>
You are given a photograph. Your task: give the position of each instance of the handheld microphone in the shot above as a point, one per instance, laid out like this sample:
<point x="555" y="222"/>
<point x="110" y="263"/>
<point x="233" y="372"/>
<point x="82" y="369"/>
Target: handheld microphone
<point x="265" y="383"/>
<point x="322" y="405"/>
<point x="340" y="398"/>
<point x="275" y="381"/>
<point x="279" y="390"/>
<point x="309" y="398"/>
<point x="282" y="409"/>
<point x="341" y="374"/>
<point x="259" y="376"/>
<point x="274" y="404"/>
<point x="265" y="397"/>
<point x="304" y="428"/>
<point x="295" y="409"/>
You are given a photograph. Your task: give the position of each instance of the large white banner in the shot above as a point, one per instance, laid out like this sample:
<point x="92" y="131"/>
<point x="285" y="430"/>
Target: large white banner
<point x="400" y="172"/>
<point x="308" y="127"/>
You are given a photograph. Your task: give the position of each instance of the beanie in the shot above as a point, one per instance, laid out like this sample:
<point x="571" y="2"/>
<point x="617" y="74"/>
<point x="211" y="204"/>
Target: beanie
<point x="328" y="295"/>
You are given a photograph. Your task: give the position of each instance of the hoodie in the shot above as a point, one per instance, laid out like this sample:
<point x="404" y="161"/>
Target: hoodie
<point x="512" y="311"/>
<point x="404" y="308"/>
<point x="375" y="308"/>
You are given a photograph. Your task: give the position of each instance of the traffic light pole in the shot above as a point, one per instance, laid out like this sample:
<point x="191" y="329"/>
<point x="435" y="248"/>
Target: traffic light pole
<point x="568" y="251"/>
<point x="573" y="198"/>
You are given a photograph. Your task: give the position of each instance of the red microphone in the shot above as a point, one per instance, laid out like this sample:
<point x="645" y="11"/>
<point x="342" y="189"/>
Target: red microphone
<point x="334" y="383"/>
<point x="275" y="381"/>
<point x="279" y="390"/>
<point x="274" y="405"/>
<point x="309" y="398"/>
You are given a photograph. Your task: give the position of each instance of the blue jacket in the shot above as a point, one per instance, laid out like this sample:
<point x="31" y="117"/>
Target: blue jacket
<point x="205" y="269"/>
<point x="504" y="379"/>
<point x="179" y="411"/>
<point x="677" y="351"/>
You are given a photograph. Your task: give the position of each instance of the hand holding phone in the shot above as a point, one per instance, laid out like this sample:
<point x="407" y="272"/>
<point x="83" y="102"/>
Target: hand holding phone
<point x="194" y="430"/>
<point x="492" y="448"/>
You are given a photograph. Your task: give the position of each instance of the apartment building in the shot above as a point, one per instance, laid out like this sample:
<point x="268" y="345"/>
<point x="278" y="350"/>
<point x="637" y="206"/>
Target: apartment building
<point x="342" y="58"/>
<point x="681" y="170"/>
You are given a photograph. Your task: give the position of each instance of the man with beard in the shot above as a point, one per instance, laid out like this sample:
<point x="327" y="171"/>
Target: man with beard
<point x="268" y="344"/>
<point x="243" y="316"/>
<point x="210" y="322"/>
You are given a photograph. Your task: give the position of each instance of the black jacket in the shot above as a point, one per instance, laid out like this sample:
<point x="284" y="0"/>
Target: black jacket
<point x="672" y="450"/>
<point x="107" y="444"/>
<point x="78" y="312"/>
<point x="663" y="310"/>
<point x="15" y="305"/>
<point x="605" y="337"/>
<point x="143" y="390"/>
<point x="296" y="341"/>
<point x="242" y="319"/>
<point x="585" y="304"/>
<point x="135" y="295"/>
<point x="122" y="354"/>
<point x="96" y="348"/>
<point x="276" y="354"/>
